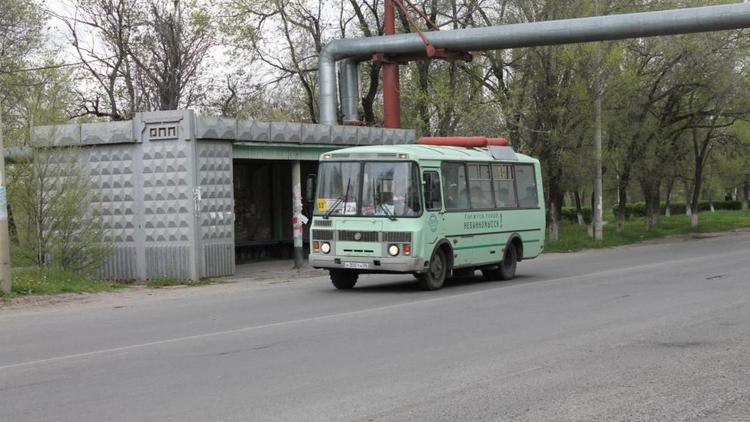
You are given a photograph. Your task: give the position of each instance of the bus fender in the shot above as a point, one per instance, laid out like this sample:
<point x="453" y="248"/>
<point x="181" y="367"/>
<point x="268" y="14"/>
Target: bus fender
<point x="514" y="240"/>
<point x="445" y="243"/>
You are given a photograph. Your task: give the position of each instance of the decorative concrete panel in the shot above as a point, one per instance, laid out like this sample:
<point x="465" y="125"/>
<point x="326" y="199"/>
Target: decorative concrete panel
<point x="216" y="222"/>
<point x="215" y="128"/>
<point x="316" y="134"/>
<point x="121" y="265"/>
<point x="167" y="192"/>
<point x="344" y="135"/>
<point x="57" y="135"/>
<point x="168" y="261"/>
<point x="368" y="136"/>
<point x="286" y="132"/>
<point x="110" y="169"/>
<point x="107" y="133"/>
<point x="389" y="137"/>
<point x="253" y="131"/>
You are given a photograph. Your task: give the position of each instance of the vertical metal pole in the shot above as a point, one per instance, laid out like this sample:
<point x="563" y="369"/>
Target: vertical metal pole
<point x="597" y="231"/>
<point x="297" y="231"/>
<point x="5" y="273"/>
<point x="391" y="89"/>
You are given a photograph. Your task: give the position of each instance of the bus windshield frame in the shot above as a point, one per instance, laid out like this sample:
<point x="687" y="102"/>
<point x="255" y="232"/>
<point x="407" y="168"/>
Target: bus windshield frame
<point x="376" y="188"/>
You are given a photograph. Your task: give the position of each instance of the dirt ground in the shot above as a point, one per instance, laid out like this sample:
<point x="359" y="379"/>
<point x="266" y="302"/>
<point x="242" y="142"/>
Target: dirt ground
<point x="259" y="274"/>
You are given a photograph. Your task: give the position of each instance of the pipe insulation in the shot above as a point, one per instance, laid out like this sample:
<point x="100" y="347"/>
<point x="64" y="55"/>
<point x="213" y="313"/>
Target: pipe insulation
<point x="533" y="34"/>
<point x="349" y="85"/>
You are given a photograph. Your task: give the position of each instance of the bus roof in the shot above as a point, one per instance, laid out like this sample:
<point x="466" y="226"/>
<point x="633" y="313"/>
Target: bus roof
<point x="419" y="152"/>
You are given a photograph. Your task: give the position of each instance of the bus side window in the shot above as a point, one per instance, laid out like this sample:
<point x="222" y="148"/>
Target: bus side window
<point x="526" y="183"/>
<point x="480" y="186"/>
<point x="432" y="191"/>
<point x="505" y="189"/>
<point x="454" y="183"/>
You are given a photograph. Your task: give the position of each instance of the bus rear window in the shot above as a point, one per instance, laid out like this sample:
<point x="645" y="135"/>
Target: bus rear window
<point x="526" y="182"/>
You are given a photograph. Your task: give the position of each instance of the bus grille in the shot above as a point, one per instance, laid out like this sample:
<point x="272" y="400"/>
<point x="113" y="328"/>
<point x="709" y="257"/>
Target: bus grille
<point x="397" y="237"/>
<point x="323" y="223"/>
<point x="322" y="234"/>
<point x="363" y="236"/>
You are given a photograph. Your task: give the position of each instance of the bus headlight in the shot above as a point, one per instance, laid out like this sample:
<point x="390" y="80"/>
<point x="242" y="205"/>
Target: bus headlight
<point x="325" y="247"/>
<point x="393" y="250"/>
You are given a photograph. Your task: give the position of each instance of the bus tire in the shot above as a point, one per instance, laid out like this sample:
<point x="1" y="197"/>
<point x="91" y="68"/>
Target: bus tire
<point x="437" y="271"/>
<point x="506" y="270"/>
<point x="342" y="279"/>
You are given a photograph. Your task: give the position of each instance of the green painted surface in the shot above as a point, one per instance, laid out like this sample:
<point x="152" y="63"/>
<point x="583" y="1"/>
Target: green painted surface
<point x="494" y="245"/>
<point x="264" y="151"/>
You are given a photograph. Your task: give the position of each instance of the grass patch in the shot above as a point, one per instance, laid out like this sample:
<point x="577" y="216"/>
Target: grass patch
<point x="158" y="283"/>
<point x="41" y="281"/>
<point x="574" y="237"/>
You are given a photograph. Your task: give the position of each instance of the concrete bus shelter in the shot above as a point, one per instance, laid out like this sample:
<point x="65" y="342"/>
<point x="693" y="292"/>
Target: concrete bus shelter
<point x="184" y="196"/>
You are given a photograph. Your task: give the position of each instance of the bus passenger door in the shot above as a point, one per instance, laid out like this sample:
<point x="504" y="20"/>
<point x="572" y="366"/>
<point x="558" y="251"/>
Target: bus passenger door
<point x="433" y="203"/>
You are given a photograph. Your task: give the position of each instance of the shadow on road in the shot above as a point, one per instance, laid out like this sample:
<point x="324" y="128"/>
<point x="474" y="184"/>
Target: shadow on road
<point x="455" y="284"/>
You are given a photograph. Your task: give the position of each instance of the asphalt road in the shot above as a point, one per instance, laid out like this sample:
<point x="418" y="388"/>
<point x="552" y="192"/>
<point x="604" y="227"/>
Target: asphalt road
<point x="657" y="332"/>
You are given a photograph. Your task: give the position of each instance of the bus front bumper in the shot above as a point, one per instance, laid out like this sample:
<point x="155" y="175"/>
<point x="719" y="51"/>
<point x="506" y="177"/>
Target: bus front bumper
<point x="369" y="264"/>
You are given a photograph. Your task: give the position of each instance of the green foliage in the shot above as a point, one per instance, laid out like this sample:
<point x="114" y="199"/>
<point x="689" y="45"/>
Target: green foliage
<point x="45" y="281"/>
<point x="570" y="214"/>
<point x="158" y="283"/>
<point x="639" y="209"/>
<point x="574" y="237"/>
<point x="55" y="223"/>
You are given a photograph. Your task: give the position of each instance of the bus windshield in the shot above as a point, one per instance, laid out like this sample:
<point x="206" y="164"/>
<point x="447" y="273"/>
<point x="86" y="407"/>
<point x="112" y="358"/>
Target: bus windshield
<point x="386" y="189"/>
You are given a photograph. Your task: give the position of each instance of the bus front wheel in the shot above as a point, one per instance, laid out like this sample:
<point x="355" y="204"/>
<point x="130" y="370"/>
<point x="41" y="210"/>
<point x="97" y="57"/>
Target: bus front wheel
<point x="343" y="279"/>
<point x="434" y="277"/>
<point x="507" y="269"/>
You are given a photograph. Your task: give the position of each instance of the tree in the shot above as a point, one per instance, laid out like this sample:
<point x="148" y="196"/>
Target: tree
<point x="51" y="200"/>
<point x="102" y="31"/>
<point x="170" y="50"/>
<point x="287" y="37"/>
<point x="140" y="55"/>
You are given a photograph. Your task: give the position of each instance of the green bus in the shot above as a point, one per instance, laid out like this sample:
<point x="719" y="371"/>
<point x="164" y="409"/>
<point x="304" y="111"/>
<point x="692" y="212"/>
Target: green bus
<point x="434" y="211"/>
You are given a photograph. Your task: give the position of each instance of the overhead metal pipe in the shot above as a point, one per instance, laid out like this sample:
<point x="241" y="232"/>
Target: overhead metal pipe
<point x="598" y="28"/>
<point x="349" y="87"/>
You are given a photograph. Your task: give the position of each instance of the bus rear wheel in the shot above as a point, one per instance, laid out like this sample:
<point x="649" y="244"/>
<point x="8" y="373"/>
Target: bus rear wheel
<point x="342" y="279"/>
<point x="507" y="269"/>
<point x="434" y="277"/>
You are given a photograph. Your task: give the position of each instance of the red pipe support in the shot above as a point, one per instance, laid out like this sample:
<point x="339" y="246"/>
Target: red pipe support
<point x="391" y="89"/>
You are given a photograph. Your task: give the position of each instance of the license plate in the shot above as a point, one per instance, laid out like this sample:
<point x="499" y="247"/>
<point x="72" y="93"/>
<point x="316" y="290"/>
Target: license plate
<point x="357" y="265"/>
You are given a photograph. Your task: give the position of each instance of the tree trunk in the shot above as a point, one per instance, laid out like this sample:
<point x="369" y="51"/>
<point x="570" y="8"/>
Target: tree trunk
<point x="622" y="202"/>
<point x="668" y="198"/>
<point x="694" y="202"/>
<point x="368" y="100"/>
<point x="555" y="208"/>
<point x="650" y="190"/>
<point x="423" y="109"/>
<point x="745" y="188"/>
<point x="554" y="224"/>
<point x="579" y="211"/>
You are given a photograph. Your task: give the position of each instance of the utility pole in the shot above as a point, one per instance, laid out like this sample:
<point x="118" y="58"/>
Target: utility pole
<point x="597" y="232"/>
<point x="6" y="280"/>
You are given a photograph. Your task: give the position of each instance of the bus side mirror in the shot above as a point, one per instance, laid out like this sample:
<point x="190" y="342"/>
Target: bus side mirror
<point x="310" y="187"/>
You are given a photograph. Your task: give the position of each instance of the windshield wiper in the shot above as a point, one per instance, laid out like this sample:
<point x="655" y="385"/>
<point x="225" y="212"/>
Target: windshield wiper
<point x="339" y="200"/>
<point x="387" y="212"/>
<point x="375" y="200"/>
